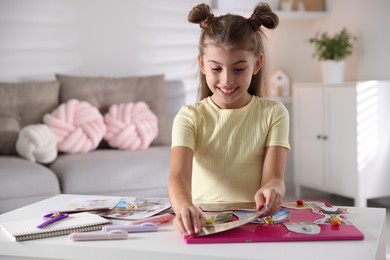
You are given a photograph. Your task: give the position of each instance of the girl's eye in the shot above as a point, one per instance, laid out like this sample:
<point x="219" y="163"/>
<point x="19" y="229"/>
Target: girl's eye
<point x="235" y="70"/>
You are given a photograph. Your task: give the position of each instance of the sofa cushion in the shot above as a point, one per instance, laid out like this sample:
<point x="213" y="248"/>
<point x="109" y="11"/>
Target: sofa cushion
<point x="130" y="126"/>
<point x="115" y="172"/>
<point x="102" y="92"/>
<point x="23" y="181"/>
<point x="9" y="132"/>
<point x="37" y="143"/>
<point x="23" y="104"/>
<point x="78" y="125"/>
<point x="176" y="96"/>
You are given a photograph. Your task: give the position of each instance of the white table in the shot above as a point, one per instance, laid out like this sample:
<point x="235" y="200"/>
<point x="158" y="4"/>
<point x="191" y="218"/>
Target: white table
<point x="167" y="243"/>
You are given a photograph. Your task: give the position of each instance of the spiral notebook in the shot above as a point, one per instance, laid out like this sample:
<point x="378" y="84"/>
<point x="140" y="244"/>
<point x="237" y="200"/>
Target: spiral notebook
<point x="27" y="229"/>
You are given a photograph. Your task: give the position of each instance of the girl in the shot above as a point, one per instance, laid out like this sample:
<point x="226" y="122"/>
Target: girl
<point x="232" y="144"/>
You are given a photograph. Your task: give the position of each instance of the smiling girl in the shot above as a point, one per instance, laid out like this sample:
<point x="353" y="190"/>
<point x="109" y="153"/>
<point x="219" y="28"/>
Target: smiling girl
<point x="232" y="144"/>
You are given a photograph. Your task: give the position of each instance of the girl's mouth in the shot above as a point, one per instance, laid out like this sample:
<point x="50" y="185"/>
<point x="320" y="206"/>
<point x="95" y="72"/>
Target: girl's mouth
<point x="228" y="91"/>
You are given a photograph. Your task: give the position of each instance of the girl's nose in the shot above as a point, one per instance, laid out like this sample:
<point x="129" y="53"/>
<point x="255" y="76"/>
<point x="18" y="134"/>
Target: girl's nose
<point x="227" y="78"/>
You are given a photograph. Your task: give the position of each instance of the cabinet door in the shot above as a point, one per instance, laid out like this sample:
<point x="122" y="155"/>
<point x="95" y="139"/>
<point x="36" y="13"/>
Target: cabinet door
<point x="308" y="129"/>
<point x="340" y="144"/>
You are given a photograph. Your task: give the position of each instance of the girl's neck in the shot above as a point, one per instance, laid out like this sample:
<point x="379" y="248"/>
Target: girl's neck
<point x="245" y="101"/>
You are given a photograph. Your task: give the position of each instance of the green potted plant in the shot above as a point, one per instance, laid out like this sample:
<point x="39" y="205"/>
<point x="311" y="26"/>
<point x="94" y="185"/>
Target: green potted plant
<point x="332" y="52"/>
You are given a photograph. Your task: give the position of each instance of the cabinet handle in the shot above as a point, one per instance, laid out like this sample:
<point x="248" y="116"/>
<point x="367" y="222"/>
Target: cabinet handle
<point x="323" y="137"/>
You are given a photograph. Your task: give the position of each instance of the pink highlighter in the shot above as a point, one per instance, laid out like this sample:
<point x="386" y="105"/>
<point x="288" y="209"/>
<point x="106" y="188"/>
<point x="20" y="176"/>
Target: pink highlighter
<point x="164" y="218"/>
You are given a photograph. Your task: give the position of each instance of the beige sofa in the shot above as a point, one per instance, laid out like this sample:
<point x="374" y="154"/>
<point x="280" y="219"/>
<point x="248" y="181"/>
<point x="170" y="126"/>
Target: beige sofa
<point x="104" y="171"/>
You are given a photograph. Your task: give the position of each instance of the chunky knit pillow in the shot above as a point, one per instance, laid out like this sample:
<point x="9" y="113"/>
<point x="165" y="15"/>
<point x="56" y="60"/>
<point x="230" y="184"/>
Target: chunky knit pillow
<point x="37" y="143"/>
<point x="130" y="126"/>
<point x="78" y="125"/>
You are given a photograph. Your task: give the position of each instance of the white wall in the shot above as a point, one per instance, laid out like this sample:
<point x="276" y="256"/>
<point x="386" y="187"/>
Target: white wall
<point x="37" y="38"/>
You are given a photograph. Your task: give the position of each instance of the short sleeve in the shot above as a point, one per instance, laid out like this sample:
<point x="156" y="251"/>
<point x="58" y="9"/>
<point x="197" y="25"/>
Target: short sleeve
<point x="278" y="134"/>
<point x="183" y="129"/>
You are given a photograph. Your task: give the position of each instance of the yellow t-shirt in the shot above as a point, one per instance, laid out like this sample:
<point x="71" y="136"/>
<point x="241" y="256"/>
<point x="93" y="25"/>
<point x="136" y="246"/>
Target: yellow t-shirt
<point x="228" y="145"/>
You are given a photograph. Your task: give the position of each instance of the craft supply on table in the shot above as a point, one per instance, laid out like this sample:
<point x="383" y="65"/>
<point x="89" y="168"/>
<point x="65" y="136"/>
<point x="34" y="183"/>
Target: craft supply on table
<point x="134" y="208"/>
<point x="99" y="235"/>
<point x="303" y="227"/>
<point x="213" y="218"/>
<point x="301" y="204"/>
<point x="217" y="228"/>
<point x="314" y="221"/>
<point x="26" y="229"/>
<point x="82" y="204"/>
<point x="51" y="218"/>
<point x="134" y="228"/>
<point x="159" y="219"/>
<point x="279" y="217"/>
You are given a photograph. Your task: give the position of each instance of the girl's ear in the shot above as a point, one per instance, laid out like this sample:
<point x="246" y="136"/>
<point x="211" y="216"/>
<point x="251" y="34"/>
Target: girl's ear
<point x="258" y="64"/>
<point x="201" y="63"/>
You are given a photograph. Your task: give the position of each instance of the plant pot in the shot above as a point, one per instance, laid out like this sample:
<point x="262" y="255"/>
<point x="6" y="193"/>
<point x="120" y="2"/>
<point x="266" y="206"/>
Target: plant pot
<point x="333" y="71"/>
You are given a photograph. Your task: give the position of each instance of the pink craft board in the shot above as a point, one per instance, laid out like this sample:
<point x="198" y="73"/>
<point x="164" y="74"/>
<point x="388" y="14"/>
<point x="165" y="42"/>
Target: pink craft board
<point x="279" y="233"/>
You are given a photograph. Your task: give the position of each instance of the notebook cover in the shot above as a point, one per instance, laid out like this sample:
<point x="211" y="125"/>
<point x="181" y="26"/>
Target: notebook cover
<point x="279" y="233"/>
<point x="27" y="229"/>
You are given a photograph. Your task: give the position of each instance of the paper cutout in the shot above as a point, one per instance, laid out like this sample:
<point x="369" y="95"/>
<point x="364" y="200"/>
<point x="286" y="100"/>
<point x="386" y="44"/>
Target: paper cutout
<point x="217" y="228"/>
<point x="86" y="204"/>
<point x="308" y="228"/>
<point x="331" y="213"/>
<point x="133" y="208"/>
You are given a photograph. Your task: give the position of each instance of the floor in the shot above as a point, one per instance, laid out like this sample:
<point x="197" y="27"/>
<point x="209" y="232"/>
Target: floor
<point x="308" y="194"/>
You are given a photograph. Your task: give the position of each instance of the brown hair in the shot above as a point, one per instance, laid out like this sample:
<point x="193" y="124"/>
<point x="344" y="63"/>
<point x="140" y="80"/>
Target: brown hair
<point x="234" y="30"/>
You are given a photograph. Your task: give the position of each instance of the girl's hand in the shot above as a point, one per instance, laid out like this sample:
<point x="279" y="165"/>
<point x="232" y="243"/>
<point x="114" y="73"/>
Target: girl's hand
<point x="189" y="221"/>
<point x="272" y="186"/>
<point x="270" y="198"/>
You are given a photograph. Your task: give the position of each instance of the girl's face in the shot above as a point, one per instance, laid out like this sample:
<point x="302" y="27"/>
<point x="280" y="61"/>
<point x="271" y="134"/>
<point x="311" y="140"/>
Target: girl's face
<point x="228" y="73"/>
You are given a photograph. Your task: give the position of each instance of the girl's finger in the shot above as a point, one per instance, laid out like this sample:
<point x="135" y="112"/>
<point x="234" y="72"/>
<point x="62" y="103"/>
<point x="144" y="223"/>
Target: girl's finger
<point x="198" y="221"/>
<point x="179" y="225"/>
<point x="260" y="201"/>
<point x="269" y="196"/>
<point x="277" y="204"/>
<point x="187" y="222"/>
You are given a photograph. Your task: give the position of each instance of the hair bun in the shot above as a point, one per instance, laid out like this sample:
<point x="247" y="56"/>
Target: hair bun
<point x="263" y="16"/>
<point x="202" y="15"/>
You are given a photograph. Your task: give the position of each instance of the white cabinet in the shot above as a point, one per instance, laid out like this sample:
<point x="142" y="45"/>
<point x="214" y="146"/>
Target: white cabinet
<point x="341" y="141"/>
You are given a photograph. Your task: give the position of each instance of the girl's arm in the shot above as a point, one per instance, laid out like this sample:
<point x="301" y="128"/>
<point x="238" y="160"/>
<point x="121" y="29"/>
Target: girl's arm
<point x="189" y="219"/>
<point x="272" y="189"/>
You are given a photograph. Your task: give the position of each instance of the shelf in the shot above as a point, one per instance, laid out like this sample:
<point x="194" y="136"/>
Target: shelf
<point x="283" y="15"/>
<point x="302" y="15"/>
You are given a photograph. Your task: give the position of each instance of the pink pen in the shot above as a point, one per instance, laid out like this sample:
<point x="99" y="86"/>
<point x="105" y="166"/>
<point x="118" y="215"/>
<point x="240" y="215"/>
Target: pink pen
<point x="99" y="235"/>
<point x="156" y="219"/>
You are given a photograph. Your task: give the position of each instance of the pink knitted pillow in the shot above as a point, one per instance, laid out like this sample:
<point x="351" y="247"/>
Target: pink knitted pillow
<point x="78" y="125"/>
<point x="130" y="126"/>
